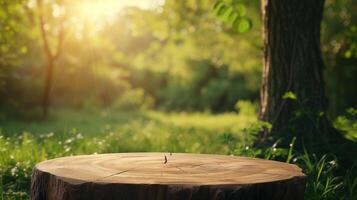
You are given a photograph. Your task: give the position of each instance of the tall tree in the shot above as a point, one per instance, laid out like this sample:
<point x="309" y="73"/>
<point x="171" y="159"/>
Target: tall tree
<point x="52" y="54"/>
<point x="293" y="95"/>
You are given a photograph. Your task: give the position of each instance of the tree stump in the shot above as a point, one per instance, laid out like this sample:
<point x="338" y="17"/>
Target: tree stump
<point x="165" y="176"/>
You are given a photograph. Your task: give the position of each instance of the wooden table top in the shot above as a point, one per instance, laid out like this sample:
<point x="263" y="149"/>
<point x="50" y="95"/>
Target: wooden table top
<point x="167" y="168"/>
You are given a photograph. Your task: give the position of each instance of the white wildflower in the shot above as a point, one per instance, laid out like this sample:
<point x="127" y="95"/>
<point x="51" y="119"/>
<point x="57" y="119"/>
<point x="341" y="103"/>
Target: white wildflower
<point x="14" y="171"/>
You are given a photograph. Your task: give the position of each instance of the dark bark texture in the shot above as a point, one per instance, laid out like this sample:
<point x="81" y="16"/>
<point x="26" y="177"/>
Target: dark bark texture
<point x="292" y="62"/>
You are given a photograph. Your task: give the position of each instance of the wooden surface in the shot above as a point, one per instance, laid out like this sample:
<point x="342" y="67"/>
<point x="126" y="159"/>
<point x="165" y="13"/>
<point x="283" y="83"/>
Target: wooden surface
<point x="165" y="176"/>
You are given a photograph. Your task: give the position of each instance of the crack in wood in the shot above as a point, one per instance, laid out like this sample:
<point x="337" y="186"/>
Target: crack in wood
<point x="180" y="169"/>
<point x="199" y="165"/>
<point x="121" y="172"/>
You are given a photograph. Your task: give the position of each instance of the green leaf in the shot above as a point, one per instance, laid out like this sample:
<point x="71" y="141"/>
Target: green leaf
<point x="289" y="95"/>
<point x="217" y="5"/>
<point x="242" y="10"/>
<point x="220" y="8"/>
<point x="231" y="18"/>
<point x="348" y="54"/>
<point x="228" y="13"/>
<point x="242" y="25"/>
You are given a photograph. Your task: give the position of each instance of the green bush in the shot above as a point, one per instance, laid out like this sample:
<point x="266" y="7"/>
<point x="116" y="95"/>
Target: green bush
<point x="244" y="107"/>
<point x="348" y="124"/>
<point x="133" y="100"/>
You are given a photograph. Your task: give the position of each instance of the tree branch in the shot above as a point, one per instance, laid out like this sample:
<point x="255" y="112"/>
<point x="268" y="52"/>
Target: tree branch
<point x="43" y="30"/>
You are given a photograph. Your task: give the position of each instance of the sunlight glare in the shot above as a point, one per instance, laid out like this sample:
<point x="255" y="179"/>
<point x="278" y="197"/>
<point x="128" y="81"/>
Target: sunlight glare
<point x="102" y="11"/>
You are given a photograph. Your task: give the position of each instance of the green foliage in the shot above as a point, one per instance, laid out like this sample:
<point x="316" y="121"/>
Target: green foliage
<point x="348" y="124"/>
<point x="233" y="15"/>
<point x="325" y="178"/>
<point x="179" y="54"/>
<point x="339" y="42"/>
<point x="133" y="100"/>
<point x="11" y="28"/>
<point x="73" y="132"/>
<point x="162" y="52"/>
<point x="289" y="95"/>
<point x="246" y="108"/>
<point x="209" y="87"/>
<point x="322" y="183"/>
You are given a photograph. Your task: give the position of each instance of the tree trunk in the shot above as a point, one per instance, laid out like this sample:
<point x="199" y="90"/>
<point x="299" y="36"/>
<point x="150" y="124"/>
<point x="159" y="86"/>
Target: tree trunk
<point x="47" y="87"/>
<point x="292" y="62"/>
<point x="51" y="56"/>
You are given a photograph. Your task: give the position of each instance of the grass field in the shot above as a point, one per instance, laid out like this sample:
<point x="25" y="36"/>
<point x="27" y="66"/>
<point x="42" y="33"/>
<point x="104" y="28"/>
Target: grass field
<point x="67" y="132"/>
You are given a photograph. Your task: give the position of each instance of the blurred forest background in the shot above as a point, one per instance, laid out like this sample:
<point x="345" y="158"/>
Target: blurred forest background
<point x="154" y="75"/>
<point x="176" y="55"/>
